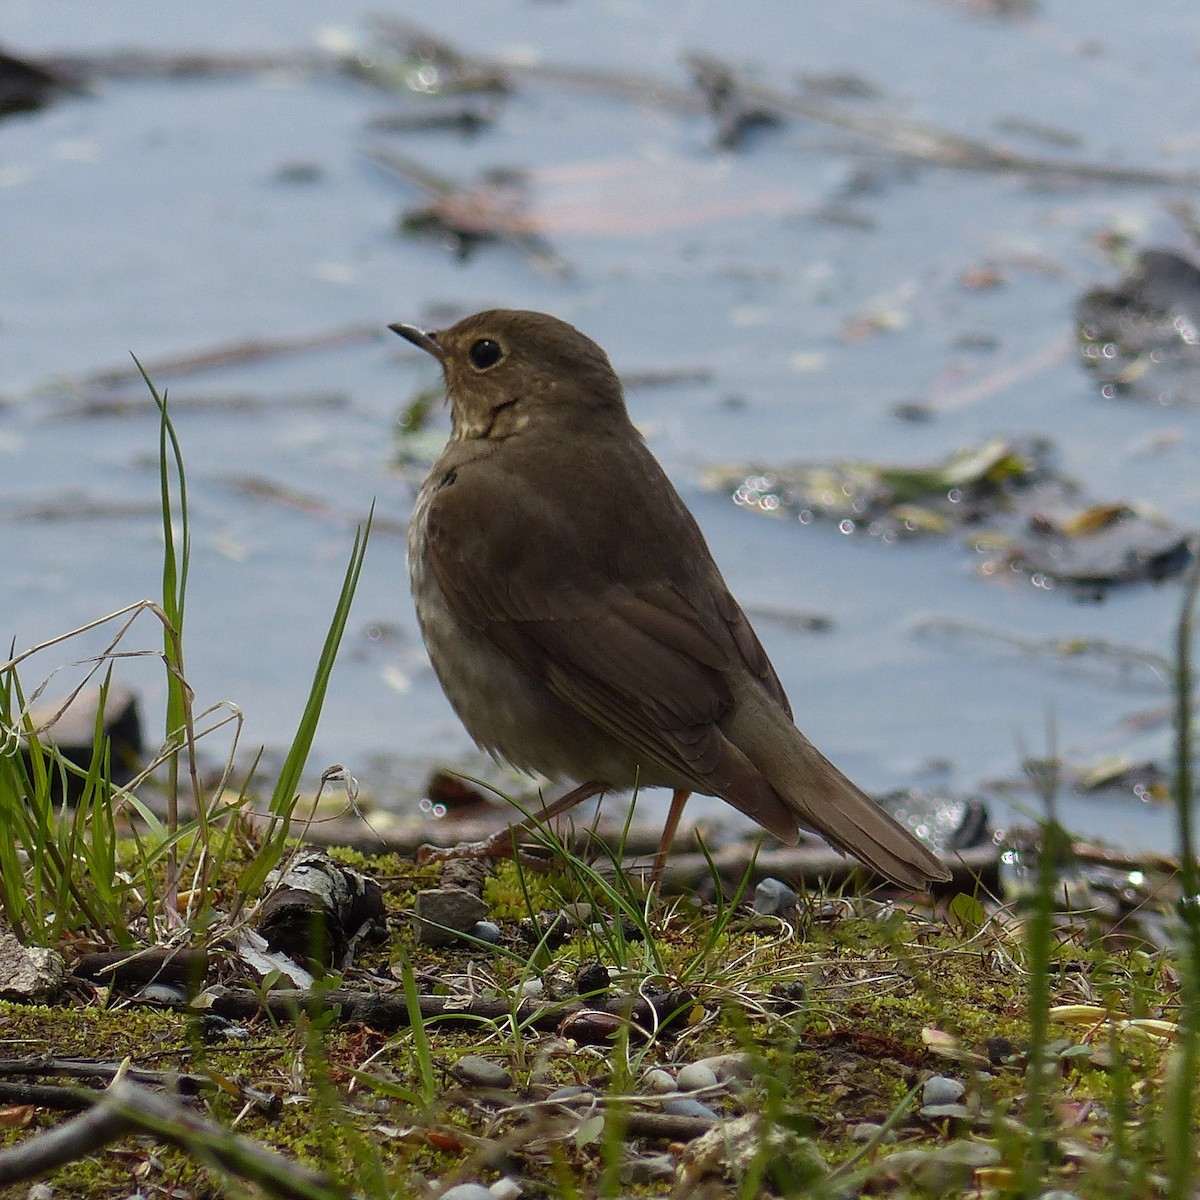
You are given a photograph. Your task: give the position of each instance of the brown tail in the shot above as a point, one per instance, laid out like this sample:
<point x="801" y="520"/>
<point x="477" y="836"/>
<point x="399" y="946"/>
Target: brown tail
<point x="824" y="801"/>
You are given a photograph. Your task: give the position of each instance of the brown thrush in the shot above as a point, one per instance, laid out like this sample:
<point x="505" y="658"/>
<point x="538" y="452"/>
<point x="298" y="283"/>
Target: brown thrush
<point x="575" y="616"/>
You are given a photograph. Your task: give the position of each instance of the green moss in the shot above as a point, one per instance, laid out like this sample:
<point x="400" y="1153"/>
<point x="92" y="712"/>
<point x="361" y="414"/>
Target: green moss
<point x="844" y="1015"/>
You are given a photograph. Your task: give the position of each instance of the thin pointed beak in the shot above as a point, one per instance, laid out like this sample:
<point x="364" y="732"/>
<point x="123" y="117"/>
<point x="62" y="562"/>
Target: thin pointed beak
<point x="426" y="341"/>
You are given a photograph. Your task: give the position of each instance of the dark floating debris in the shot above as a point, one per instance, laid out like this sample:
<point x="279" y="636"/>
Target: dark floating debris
<point x="1142" y="337"/>
<point x="26" y="86"/>
<point x="735" y="114"/>
<point x="889" y="502"/>
<point x="494" y="209"/>
<point x="1016" y="511"/>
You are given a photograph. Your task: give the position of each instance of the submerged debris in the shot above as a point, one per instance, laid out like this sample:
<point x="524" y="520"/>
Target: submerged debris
<point x="1024" y="517"/>
<point x="885" y="501"/>
<point x="1142" y="337"/>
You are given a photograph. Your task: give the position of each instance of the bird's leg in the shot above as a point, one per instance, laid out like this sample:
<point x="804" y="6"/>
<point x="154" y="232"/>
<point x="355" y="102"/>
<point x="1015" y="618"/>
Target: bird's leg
<point x="678" y="800"/>
<point x="502" y="842"/>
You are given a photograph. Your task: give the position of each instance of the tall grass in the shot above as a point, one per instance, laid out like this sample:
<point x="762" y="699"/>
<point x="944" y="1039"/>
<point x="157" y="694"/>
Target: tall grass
<point x="59" y="857"/>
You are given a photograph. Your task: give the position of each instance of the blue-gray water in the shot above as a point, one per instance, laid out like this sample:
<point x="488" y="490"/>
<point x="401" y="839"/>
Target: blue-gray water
<point x="150" y="217"/>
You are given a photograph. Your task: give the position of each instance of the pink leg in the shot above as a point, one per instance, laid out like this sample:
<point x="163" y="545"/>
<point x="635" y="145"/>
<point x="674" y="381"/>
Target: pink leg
<point x="674" y="813"/>
<point x="500" y="844"/>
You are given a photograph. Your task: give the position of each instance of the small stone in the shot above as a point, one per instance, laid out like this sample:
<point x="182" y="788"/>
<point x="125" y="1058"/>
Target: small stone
<point x="648" y="1168"/>
<point x="578" y="915"/>
<point x="29" y="974"/>
<point x="476" y="1071"/>
<point x="592" y="979"/>
<point x="485" y="931"/>
<point x="686" y="1106"/>
<point x="505" y="1188"/>
<point x="166" y="994"/>
<point x="591" y="1026"/>
<point x="532" y="989"/>
<point x="941" y="1089"/>
<point x="942" y="1112"/>
<point x="945" y="1169"/>
<point x="773" y="898"/>
<point x="467" y="1191"/>
<point x="574" y="1091"/>
<point x="658" y="1082"/>
<point x="443" y="913"/>
<point x="739" y="1066"/>
<point x="1057" y="1194"/>
<point x="864" y="1131"/>
<point x="694" y="1076"/>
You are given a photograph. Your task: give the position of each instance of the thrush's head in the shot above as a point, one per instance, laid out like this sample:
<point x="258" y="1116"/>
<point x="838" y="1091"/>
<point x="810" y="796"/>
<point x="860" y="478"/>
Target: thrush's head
<point x="508" y="371"/>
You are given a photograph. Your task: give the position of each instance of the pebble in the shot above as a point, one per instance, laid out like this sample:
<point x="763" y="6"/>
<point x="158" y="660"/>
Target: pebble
<point x="773" y="898"/>
<point x="864" y="1131"/>
<point x="686" y="1106"/>
<point x="648" y="1168"/>
<point x="738" y="1066"/>
<point x="941" y="1089"/>
<point x="477" y="1071"/>
<point x="505" y="1188"/>
<point x="694" y="1076"/>
<point x="453" y="907"/>
<point x="573" y="1091"/>
<point x="468" y="1191"/>
<point x="531" y="989"/>
<point x="658" y="1081"/>
<point x="485" y="931"/>
<point x="944" y="1169"/>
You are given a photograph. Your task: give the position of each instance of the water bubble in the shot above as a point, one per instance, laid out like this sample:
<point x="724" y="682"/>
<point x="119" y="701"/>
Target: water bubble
<point x="846" y="525"/>
<point x="954" y="495"/>
<point x="804" y="516"/>
<point x="769" y="503"/>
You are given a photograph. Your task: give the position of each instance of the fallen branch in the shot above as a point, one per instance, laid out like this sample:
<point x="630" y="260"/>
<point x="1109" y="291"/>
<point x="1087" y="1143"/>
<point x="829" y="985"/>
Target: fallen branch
<point x="387" y="1012"/>
<point x="128" y="1108"/>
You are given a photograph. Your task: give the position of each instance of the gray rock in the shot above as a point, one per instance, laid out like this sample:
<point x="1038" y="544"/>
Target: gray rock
<point x="533" y="989"/>
<point x="574" y="1091"/>
<point x="658" y="1082"/>
<point x="739" y="1066"/>
<point x="772" y="898"/>
<point x="941" y="1112"/>
<point x="505" y="1188"/>
<point x="29" y="974"/>
<point x="944" y="1169"/>
<point x="477" y="1071"/>
<point x="467" y="1191"/>
<point x="864" y="1131"/>
<point x="648" y="1168"/>
<point x="685" y="1106"/>
<point x="454" y="908"/>
<point x="694" y="1076"/>
<point x="485" y="931"/>
<point x="941" y="1089"/>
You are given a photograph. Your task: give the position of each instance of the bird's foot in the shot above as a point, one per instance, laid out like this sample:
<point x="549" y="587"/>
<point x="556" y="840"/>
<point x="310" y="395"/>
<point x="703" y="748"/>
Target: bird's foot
<point x="502" y="844"/>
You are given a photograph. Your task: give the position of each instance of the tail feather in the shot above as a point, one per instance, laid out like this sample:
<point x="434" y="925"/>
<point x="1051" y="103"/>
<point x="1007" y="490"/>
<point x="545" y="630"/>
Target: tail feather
<point x="824" y="801"/>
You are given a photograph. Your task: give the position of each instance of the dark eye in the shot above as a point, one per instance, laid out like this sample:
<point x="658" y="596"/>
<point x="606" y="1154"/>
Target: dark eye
<point x="485" y="353"/>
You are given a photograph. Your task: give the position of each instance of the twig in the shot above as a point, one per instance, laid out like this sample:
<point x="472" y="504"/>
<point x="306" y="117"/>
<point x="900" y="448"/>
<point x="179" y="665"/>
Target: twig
<point x="908" y="139"/>
<point x="130" y="1108"/>
<point x="218" y="357"/>
<point x="388" y="1012"/>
